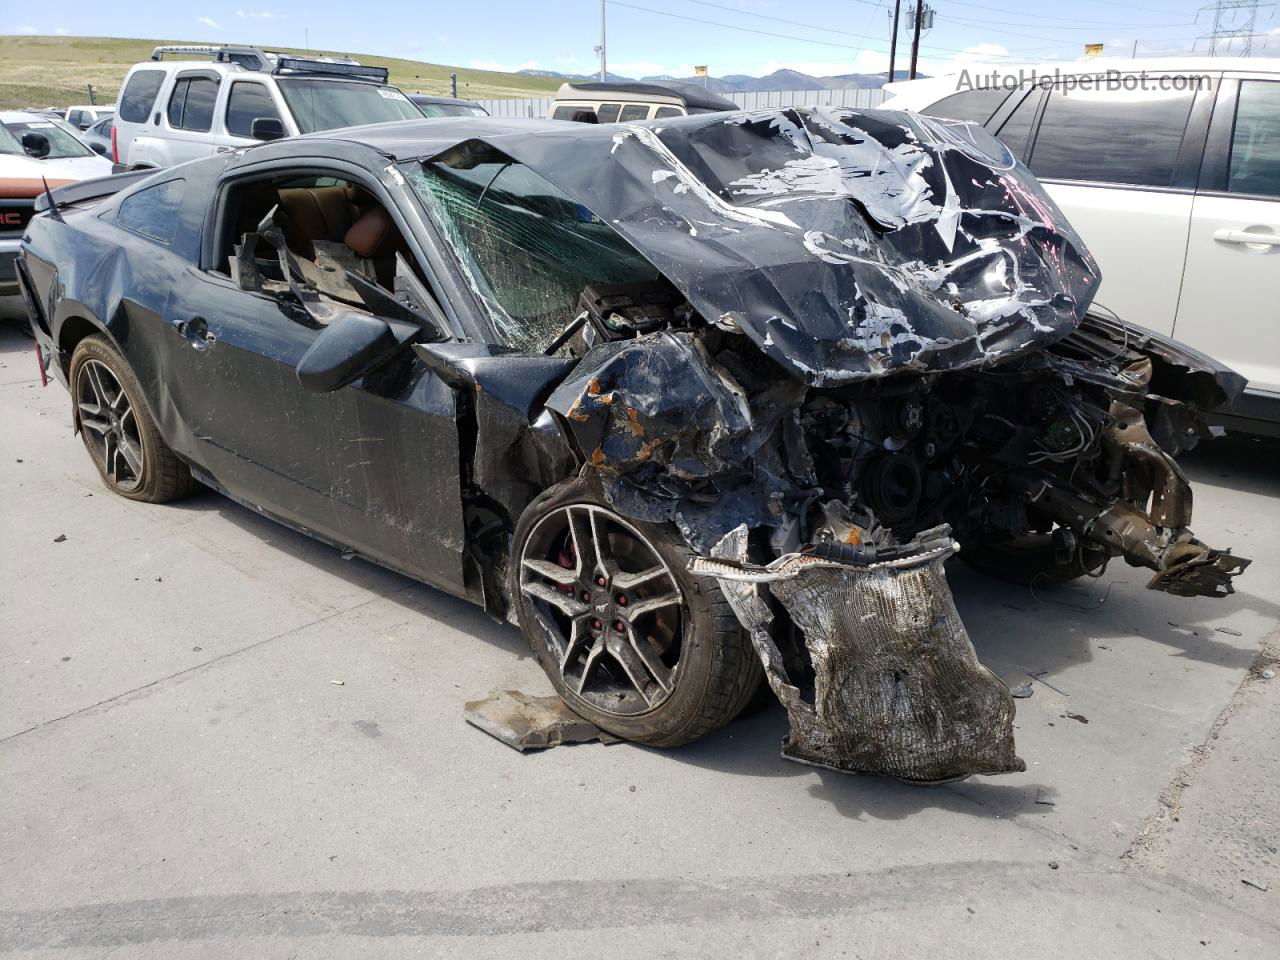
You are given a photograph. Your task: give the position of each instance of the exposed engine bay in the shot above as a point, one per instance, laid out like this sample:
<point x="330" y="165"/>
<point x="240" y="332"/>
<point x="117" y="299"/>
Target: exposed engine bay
<point x="827" y="513"/>
<point x="947" y="391"/>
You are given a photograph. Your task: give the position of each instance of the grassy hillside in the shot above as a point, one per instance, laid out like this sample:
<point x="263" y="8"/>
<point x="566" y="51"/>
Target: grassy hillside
<point x="53" y="71"/>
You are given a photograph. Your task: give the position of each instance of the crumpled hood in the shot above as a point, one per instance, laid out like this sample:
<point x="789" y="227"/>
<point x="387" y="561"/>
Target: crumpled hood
<point x="846" y="244"/>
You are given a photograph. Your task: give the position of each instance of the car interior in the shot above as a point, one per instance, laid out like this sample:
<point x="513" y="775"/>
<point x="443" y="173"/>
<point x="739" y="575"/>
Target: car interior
<point x="329" y="226"/>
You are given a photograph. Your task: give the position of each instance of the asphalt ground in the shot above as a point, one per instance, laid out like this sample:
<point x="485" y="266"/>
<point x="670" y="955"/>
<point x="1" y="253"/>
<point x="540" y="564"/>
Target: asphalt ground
<point x="180" y="774"/>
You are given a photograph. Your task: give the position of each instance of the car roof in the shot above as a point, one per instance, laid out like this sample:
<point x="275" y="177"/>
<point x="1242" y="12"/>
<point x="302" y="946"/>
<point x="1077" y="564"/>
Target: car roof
<point x="929" y="86"/>
<point x="692" y="94"/>
<point x="22" y="116"/>
<point x="408" y="139"/>
<point x="428" y="98"/>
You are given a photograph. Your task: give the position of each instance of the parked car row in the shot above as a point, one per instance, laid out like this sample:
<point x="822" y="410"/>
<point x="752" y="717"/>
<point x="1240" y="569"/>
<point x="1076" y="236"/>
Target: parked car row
<point x="34" y="150"/>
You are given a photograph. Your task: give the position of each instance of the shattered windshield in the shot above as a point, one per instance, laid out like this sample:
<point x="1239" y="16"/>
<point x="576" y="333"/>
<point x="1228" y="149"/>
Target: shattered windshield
<point x="527" y="249"/>
<point x="330" y="104"/>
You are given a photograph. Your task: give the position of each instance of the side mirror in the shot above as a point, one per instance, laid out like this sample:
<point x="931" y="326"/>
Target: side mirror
<point x="35" y="144"/>
<point x="266" y="128"/>
<point x="98" y="148"/>
<point x="348" y="348"/>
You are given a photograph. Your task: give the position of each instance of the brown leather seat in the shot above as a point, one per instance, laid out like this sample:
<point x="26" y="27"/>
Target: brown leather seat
<point x="373" y="235"/>
<point x="315" y="213"/>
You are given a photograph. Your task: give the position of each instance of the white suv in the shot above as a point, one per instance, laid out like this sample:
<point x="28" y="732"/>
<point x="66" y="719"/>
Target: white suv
<point x="173" y="111"/>
<point x="1170" y="171"/>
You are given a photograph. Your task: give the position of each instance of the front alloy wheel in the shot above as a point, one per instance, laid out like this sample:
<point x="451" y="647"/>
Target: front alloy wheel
<point x="609" y="606"/>
<point x="628" y="637"/>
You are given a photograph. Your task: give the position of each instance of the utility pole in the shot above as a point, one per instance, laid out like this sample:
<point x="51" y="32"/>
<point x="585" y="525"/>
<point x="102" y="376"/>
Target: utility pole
<point x="915" y="39"/>
<point x="1233" y="20"/>
<point x="893" y="40"/>
<point x="601" y="49"/>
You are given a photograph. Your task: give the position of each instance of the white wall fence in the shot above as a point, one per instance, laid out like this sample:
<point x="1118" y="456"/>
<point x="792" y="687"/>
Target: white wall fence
<point x="752" y="100"/>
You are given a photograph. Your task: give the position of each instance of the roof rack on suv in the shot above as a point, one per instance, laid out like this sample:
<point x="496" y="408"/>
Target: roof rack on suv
<point x="262" y="61"/>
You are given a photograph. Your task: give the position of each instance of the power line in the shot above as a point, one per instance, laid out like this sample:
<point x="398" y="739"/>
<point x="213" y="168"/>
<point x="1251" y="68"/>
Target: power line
<point x="824" y="43"/>
<point x="1034" y="16"/>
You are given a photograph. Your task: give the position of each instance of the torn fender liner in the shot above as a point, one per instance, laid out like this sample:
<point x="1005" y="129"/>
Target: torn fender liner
<point x="846" y="244"/>
<point x="898" y="687"/>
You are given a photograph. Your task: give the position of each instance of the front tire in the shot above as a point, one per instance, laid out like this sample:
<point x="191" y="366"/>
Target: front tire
<point x="629" y="638"/>
<point x="118" y="432"/>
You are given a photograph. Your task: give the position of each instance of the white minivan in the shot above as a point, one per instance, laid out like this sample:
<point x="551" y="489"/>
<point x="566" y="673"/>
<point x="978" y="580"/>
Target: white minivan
<point x="173" y="111"/>
<point x="1169" y="170"/>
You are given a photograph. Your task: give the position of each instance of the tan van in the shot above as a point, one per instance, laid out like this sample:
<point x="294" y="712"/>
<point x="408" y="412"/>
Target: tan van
<point x="630" y="100"/>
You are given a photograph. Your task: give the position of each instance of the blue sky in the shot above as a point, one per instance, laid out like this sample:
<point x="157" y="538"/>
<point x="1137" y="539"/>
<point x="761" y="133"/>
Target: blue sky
<point x="821" y="37"/>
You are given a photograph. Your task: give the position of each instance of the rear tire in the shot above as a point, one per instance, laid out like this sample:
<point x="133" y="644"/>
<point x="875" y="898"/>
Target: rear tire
<point x="697" y="669"/>
<point x="116" y="427"/>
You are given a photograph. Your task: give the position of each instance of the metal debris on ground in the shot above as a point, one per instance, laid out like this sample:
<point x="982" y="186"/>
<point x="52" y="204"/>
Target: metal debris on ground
<point x="1256" y="884"/>
<point x="531" y="723"/>
<point x="1044" y="799"/>
<point x="1229" y="631"/>
<point x="1268" y="674"/>
<point x="60" y="538"/>
<point x="1079" y="717"/>
<point x="338" y="683"/>
<point x="1022" y="690"/>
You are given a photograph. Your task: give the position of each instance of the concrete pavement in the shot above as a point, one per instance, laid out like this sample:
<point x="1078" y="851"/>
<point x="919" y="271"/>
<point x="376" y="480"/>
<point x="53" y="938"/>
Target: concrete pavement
<point x="180" y="775"/>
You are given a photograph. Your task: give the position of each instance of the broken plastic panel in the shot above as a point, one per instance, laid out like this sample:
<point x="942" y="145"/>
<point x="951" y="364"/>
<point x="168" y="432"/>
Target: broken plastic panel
<point x="898" y="689"/>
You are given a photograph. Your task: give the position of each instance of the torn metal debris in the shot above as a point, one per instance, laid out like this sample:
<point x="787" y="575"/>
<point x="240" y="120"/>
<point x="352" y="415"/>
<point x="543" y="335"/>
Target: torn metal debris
<point x="897" y="689"/>
<point x="531" y="723"/>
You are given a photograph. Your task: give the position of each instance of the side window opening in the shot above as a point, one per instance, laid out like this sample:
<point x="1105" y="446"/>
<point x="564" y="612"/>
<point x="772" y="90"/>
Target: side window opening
<point x="977" y="105"/>
<point x="528" y="251"/>
<point x="634" y="111"/>
<point x="153" y="211"/>
<point x="668" y="112"/>
<point x="246" y="103"/>
<point x="1112" y="135"/>
<point x="608" y="112"/>
<point x="192" y="102"/>
<point x="139" y="94"/>
<point x="339" y="242"/>
<point x="1015" y="132"/>
<point x="1254" y="167"/>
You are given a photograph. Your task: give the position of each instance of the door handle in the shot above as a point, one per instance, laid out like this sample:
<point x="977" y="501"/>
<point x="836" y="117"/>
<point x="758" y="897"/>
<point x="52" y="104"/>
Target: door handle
<point x="1227" y="235"/>
<point x="223" y="149"/>
<point x="196" y="332"/>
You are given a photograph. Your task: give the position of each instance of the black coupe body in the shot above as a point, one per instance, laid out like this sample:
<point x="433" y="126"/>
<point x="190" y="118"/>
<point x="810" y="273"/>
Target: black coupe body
<point x="685" y="400"/>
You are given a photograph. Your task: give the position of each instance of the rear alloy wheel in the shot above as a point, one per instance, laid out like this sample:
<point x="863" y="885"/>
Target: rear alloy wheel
<point x="118" y="431"/>
<point x="110" y="426"/>
<point x="629" y="639"/>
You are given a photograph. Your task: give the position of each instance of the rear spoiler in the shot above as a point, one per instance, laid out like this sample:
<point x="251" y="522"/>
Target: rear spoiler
<point x="99" y="188"/>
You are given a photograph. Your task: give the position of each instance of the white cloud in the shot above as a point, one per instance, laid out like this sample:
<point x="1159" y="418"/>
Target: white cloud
<point x="260" y="15"/>
<point x="207" y="22"/>
<point x="61" y="31"/>
<point x="27" y="29"/>
<point x="506" y="67"/>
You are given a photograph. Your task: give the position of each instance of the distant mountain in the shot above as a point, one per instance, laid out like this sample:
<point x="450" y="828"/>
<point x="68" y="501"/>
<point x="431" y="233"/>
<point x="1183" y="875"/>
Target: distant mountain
<point x="742" y="83"/>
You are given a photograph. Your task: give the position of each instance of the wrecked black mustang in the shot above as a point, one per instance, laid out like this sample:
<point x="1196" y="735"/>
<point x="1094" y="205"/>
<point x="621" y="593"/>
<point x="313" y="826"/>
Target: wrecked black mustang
<point x="690" y="401"/>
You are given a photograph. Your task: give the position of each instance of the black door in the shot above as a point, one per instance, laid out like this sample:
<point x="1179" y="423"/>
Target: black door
<point x="373" y="466"/>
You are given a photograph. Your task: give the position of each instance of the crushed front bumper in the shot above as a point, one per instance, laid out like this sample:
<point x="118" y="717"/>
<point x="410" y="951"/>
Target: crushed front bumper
<point x="898" y="689"/>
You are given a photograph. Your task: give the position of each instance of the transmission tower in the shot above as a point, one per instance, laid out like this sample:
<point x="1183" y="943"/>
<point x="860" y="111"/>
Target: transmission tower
<point x="1233" y="20"/>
